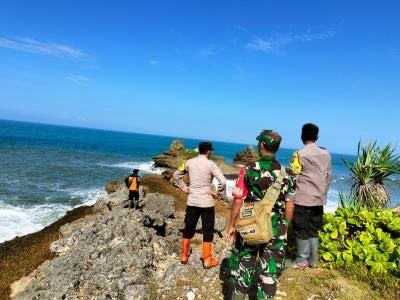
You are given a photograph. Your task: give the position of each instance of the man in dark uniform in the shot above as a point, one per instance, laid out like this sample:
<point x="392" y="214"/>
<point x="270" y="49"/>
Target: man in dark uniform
<point x="132" y="182"/>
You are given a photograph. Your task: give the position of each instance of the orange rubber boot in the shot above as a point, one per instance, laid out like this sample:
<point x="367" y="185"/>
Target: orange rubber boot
<point x="208" y="260"/>
<point x="185" y="251"/>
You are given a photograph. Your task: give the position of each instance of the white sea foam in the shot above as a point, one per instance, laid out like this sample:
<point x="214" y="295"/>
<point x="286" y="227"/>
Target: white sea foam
<point x="333" y="201"/>
<point x="87" y="196"/>
<point x="21" y="220"/>
<point x="144" y="167"/>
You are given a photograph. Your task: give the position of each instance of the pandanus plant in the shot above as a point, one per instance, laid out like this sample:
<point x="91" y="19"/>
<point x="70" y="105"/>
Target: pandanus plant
<point x="373" y="166"/>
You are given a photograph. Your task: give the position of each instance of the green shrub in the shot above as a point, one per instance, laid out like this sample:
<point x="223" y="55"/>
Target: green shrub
<point x="187" y="153"/>
<point x="355" y="234"/>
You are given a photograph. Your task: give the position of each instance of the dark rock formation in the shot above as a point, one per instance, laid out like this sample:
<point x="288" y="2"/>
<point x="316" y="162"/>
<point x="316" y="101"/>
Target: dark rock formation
<point x="246" y="156"/>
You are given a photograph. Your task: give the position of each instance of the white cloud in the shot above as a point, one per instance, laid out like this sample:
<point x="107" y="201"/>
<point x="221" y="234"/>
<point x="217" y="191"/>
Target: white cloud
<point x="77" y="79"/>
<point x="42" y="48"/>
<point x="153" y="62"/>
<point x="279" y="40"/>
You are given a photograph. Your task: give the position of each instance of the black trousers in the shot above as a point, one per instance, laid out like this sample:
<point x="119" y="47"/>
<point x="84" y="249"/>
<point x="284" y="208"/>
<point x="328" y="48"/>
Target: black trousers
<point x="207" y="215"/>
<point x="307" y="220"/>
<point x="133" y="195"/>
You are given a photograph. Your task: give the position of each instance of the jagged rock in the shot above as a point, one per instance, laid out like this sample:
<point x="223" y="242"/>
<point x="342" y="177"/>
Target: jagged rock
<point x="168" y="160"/>
<point x="119" y="254"/>
<point x="99" y="260"/>
<point x="176" y="145"/>
<point x="246" y="156"/>
<point x="157" y="209"/>
<point x="114" y="186"/>
<point x="117" y="199"/>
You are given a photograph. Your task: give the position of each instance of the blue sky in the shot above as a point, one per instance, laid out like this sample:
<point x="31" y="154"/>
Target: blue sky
<point x="218" y="70"/>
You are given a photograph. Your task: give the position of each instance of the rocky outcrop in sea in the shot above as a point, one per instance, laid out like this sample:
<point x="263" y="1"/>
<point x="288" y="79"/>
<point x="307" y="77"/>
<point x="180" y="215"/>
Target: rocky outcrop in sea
<point x="121" y="253"/>
<point x="177" y="154"/>
<point x="246" y="156"/>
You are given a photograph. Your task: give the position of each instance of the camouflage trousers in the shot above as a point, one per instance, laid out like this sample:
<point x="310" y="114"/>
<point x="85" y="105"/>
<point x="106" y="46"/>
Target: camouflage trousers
<point x="255" y="270"/>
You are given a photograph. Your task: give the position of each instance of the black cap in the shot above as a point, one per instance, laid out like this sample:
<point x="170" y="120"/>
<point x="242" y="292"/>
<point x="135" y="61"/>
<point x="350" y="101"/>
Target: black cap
<point x="205" y="146"/>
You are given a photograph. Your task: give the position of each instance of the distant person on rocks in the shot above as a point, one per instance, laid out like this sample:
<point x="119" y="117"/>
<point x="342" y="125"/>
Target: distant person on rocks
<point x="201" y="201"/>
<point x="256" y="268"/>
<point x="132" y="182"/>
<point x="313" y="167"/>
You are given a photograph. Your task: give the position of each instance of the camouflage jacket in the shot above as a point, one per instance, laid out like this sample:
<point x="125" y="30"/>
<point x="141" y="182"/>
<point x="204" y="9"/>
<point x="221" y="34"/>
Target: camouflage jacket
<point x="261" y="174"/>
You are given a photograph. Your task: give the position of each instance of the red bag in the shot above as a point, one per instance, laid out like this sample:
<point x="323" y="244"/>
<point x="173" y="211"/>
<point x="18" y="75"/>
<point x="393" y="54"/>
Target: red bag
<point x="240" y="189"/>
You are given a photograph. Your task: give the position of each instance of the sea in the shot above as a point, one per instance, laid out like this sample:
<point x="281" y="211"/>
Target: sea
<point x="46" y="170"/>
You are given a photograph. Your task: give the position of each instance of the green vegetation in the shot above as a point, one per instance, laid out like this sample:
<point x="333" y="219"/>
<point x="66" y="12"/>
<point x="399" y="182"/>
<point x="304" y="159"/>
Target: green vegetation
<point x="359" y="235"/>
<point x="364" y="244"/>
<point x="373" y="166"/>
<point x="362" y="239"/>
<point x="187" y="153"/>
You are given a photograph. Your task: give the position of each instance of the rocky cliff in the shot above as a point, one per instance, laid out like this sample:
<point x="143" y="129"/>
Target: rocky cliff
<point x="120" y="253"/>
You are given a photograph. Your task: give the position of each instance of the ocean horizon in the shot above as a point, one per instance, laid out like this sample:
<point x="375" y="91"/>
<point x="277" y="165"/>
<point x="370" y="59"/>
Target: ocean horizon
<point x="46" y="170"/>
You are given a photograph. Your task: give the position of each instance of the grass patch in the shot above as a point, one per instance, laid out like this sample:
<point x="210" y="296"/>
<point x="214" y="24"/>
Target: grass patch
<point x="321" y="284"/>
<point x="385" y="286"/>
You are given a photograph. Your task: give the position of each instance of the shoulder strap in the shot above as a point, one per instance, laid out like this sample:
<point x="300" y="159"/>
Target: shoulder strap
<point x="274" y="190"/>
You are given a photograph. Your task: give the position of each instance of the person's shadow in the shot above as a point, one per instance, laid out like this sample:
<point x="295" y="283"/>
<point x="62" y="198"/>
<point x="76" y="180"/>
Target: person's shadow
<point x="225" y="276"/>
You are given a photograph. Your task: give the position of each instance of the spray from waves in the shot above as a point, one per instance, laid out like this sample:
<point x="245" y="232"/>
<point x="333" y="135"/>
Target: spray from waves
<point x="17" y="220"/>
<point x="21" y="220"/>
<point x="333" y="201"/>
<point x="144" y="167"/>
<point x="86" y="196"/>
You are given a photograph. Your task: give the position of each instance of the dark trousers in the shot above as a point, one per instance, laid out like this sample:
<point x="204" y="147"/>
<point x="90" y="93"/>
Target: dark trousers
<point x="133" y="195"/>
<point x="207" y="215"/>
<point x="307" y="220"/>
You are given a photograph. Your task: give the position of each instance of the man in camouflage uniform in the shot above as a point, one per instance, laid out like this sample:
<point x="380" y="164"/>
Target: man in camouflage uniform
<point x="260" y="266"/>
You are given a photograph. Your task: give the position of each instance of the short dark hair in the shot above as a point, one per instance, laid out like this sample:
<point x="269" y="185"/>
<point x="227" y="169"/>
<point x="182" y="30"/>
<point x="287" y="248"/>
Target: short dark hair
<point x="271" y="148"/>
<point x="135" y="171"/>
<point x="204" y="147"/>
<point x="309" y="132"/>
